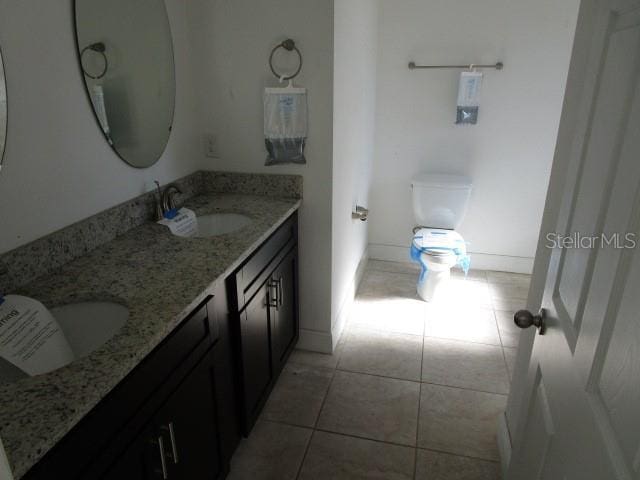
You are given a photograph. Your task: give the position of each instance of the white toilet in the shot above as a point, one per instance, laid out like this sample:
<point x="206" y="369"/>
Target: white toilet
<point x="439" y="205"/>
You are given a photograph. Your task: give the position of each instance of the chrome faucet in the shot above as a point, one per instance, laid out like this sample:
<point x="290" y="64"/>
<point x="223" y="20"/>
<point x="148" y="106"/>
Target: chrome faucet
<point x="165" y="200"/>
<point x="168" y="202"/>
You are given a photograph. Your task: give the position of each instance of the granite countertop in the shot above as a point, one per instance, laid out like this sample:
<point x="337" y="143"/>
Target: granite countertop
<point x="161" y="279"/>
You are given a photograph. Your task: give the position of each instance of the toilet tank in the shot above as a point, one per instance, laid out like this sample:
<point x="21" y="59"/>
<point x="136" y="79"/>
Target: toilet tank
<point x="439" y="200"/>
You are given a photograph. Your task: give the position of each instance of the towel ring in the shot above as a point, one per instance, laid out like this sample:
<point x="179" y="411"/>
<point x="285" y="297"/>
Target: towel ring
<point x="288" y="45"/>
<point x="100" y="48"/>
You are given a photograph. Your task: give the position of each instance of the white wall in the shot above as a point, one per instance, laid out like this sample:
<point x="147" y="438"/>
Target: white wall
<point x="508" y="154"/>
<point x="355" y="53"/>
<point x="231" y="42"/>
<point x="58" y="168"/>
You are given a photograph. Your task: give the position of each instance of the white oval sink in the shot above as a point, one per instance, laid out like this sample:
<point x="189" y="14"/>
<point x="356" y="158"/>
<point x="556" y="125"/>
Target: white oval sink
<point x="86" y="326"/>
<point x="221" y="223"/>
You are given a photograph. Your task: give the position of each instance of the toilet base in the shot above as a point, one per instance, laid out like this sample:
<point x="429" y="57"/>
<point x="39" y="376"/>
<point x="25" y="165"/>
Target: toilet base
<point x="435" y="280"/>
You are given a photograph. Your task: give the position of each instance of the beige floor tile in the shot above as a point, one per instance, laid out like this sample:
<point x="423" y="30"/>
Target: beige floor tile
<point x="372" y="407"/>
<point x="466" y="365"/>
<point x="393" y="267"/>
<point x="508" y="304"/>
<point x="298" y="395"/>
<point x="505" y="291"/>
<point x="510" y="358"/>
<point x="401" y="315"/>
<point x="336" y="457"/>
<point x="509" y="332"/>
<point x="472" y="275"/>
<point x="273" y="451"/>
<point x="388" y="354"/>
<point x="314" y="359"/>
<point x="509" y="278"/>
<point x="462" y="322"/>
<point x="460" y="421"/>
<point x="443" y="466"/>
<point x="458" y="290"/>
<point x="388" y="286"/>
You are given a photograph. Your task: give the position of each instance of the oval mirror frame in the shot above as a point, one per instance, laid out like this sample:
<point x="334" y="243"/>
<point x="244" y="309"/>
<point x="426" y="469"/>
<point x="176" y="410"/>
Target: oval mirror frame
<point x="125" y="54"/>
<point x="4" y="113"/>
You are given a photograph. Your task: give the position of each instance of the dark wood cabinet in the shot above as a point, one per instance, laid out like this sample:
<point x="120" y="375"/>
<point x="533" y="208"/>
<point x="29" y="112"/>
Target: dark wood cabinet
<point x="188" y="428"/>
<point x="255" y="352"/>
<point x="284" y="310"/>
<point x="138" y="459"/>
<point x="181" y="412"/>
<point x="181" y="441"/>
<point x="267" y="318"/>
<point x="225" y="377"/>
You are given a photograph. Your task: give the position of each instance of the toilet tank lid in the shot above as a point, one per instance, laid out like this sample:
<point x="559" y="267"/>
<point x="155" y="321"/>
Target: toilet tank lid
<point x="441" y="180"/>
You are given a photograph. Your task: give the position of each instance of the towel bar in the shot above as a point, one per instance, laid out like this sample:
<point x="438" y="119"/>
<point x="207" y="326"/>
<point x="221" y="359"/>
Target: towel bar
<point x="497" y="66"/>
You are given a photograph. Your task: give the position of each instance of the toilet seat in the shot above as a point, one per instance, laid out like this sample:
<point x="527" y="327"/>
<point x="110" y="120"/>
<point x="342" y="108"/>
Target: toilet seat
<point x="437" y="242"/>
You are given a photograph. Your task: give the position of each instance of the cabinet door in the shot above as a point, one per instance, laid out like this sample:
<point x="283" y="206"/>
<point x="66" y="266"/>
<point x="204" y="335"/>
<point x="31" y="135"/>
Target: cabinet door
<point x="141" y="460"/>
<point x="256" y="355"/>
<point x="284" y="326"/>
<point x="226" y="376"/>
<point x="187" y="424"/>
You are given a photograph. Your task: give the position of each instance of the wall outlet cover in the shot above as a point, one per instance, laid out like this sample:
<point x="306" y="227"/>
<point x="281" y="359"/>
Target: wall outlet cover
<point x="211" y="145"/>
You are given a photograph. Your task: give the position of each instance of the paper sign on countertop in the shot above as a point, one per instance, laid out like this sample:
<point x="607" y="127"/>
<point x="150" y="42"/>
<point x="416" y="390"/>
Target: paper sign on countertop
<point x="30" y="337"/>
<point x="184" y="224"/>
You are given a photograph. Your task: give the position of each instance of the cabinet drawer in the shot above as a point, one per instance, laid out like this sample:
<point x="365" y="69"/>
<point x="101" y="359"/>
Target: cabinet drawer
<point x="172" y="352"/>
<point x="250" y="271"/>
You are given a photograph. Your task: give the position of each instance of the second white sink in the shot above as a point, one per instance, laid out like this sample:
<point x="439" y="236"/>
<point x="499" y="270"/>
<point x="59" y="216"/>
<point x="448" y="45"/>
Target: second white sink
<point x="221" y="223"/>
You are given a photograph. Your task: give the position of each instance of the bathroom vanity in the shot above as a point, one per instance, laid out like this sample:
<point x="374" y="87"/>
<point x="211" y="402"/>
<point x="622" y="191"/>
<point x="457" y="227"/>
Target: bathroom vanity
<point x="212" y="322"/>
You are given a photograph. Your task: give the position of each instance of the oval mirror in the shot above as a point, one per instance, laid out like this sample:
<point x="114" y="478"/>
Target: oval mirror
<point x="3" y="111"/>
<point x="126" y="56"/>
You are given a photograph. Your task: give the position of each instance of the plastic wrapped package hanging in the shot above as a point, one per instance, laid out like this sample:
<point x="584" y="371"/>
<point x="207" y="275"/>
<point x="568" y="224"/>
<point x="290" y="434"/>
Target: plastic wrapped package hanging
<point x="468" y="98"/>
<point x="439" y="242"/>
<point x="285" y="124"/>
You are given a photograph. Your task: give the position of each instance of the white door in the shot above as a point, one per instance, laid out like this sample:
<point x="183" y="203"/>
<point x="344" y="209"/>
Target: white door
<point x="582" y="418"/>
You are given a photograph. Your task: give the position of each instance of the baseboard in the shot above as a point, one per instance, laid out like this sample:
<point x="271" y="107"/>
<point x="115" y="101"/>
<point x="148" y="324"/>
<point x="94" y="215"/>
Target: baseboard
<point x="326" y="342"/>
<point x="504" y="444"/>
<point x="315" y="341"/>
<point x="479" y="261"/>
<point x="347" y="305"/>
<point x="501" y="263"/>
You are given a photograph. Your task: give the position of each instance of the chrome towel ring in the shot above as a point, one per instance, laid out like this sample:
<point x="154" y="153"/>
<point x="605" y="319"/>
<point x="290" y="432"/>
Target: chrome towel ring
<point x="288" y="45"/>
<point x="100" y="48"/>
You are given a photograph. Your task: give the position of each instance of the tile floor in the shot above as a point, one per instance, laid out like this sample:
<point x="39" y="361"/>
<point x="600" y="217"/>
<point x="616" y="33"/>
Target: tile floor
<point x="413" y="390"/>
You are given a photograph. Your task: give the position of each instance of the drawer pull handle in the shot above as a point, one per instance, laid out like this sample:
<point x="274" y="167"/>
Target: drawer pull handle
<point x="273" y="297"/>
<point x="280" y="295"/>
<point x="174" y="445"/>
<point x="163" y="460"/>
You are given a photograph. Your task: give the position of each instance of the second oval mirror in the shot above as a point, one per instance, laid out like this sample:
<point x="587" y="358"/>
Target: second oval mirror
<point x="3" y="111"/>
<point x="126" y="55"/>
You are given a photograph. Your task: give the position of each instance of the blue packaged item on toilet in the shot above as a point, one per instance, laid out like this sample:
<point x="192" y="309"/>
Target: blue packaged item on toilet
<point x="439" y="243"/>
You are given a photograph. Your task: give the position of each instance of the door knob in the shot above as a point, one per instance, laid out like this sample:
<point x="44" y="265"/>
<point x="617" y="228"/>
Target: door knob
<point x="525" y="319"/>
